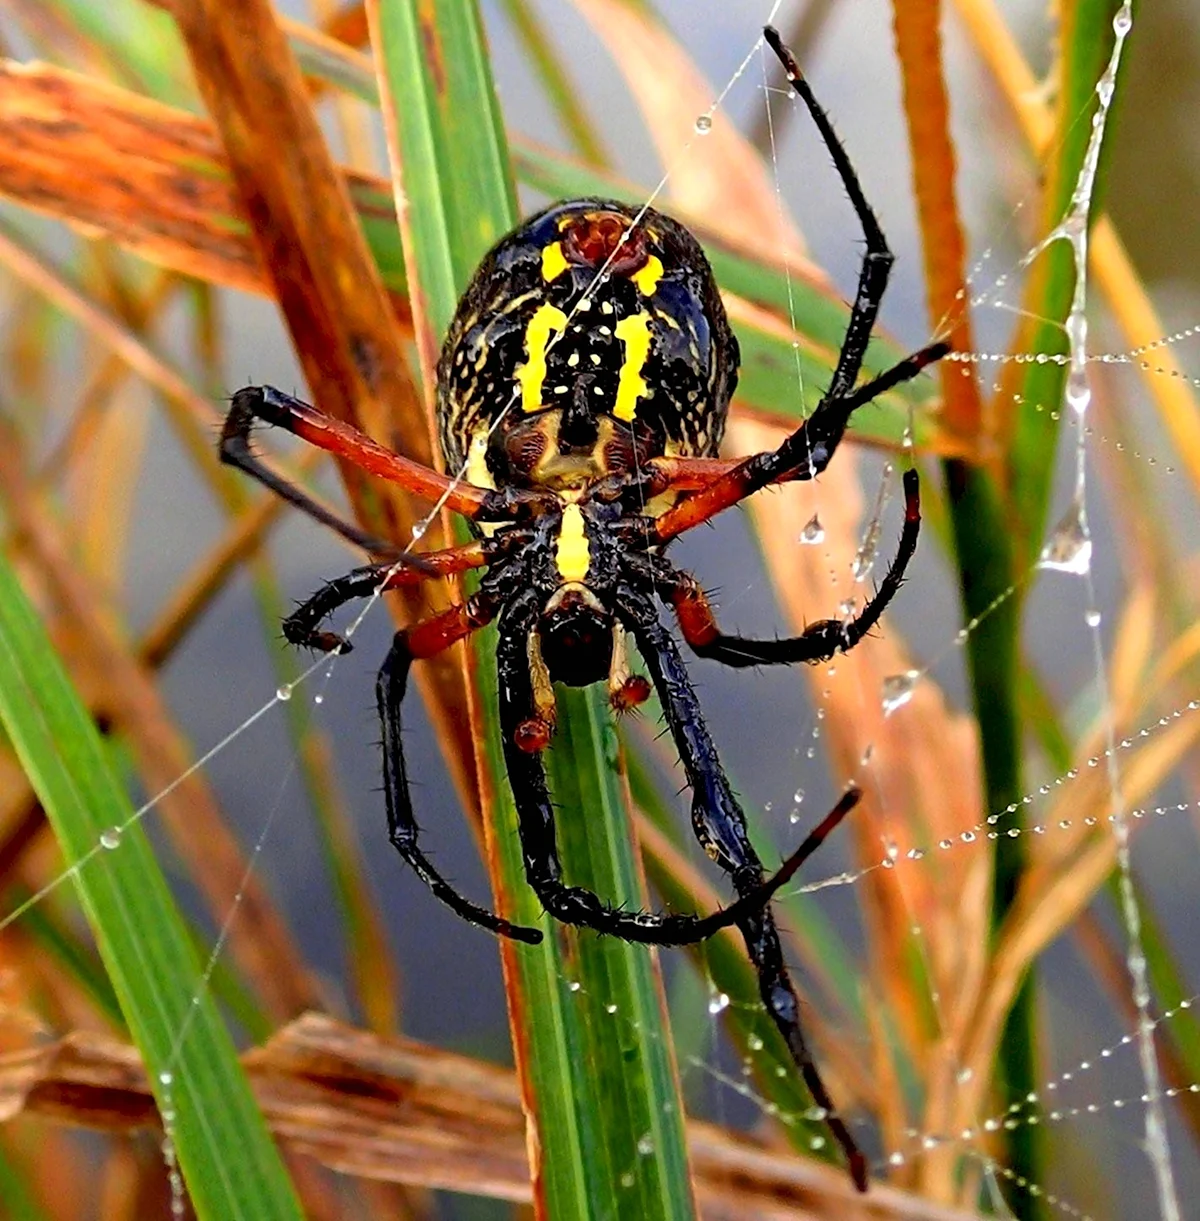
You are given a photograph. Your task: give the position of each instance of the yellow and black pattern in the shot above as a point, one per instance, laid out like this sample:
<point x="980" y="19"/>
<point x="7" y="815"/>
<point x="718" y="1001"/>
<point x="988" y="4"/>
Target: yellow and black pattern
<point x="584" y="346"/>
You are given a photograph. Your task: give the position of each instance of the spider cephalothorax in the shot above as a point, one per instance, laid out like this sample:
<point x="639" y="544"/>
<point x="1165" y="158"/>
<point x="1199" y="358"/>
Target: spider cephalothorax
<point x="582" y="395"/>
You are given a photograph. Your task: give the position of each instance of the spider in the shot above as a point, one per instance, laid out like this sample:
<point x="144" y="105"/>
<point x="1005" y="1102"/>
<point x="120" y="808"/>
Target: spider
<point x="583" y="389"/>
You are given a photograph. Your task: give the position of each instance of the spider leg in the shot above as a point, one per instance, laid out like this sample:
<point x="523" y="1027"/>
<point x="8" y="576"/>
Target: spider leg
<point x="576" y="904"/>
<point x="235" y="450"/>
<point x="802" y="455"/>
<point x="820" y="640"/>
<point x="271" y="406"/>
<point x="302" y="626"/>
<point x="720" y="826"/>
<point x="808" y="450"/>
<point x="424" y="640"/>
<point x="878" y="259"/>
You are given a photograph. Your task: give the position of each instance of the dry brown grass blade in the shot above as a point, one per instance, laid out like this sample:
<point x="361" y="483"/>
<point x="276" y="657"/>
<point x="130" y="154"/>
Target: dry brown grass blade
<point x="127" y="695"/>
<point x="327" y="285"/>
<point x="927" y="110"/>
<point x="922" y="785"/>
<point x="150" y="176"/>
<point x="1109" y="265"/>
<point x="397" y="1110"/>
<point x="724" y="176"/>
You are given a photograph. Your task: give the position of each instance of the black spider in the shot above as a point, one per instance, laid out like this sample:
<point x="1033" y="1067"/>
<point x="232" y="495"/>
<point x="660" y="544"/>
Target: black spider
<point x="582" y="391"/>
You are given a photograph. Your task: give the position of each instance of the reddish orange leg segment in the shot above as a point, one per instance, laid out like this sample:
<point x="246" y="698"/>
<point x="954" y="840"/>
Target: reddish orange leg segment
<point x="802" y="455"/>
<point x="432" y="635"/>
<point x="271" y="406"/>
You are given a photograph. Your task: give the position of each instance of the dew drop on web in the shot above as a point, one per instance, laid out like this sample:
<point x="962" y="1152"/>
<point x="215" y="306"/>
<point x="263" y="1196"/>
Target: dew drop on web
<point x="1069" y="548"/>
<point x="813" y="531"/>
<point x="898" y="690"/>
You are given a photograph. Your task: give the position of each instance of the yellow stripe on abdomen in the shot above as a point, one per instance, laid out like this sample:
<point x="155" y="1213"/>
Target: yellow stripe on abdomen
<point x="634" y="334"/>
<point x="574" y="554"/>
<point x="547" y="320"/>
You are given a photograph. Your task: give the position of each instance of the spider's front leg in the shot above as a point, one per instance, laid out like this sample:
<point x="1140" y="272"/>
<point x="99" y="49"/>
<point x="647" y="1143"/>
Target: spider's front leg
<point x="720" y="827"/>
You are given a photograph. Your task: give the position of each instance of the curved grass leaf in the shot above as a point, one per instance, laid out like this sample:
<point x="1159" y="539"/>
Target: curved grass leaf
<point x="229" y="1161"/>
<point x="588" y="1014"/>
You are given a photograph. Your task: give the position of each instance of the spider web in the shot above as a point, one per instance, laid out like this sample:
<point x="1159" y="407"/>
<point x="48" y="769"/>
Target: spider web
<point x="790" y="793"/>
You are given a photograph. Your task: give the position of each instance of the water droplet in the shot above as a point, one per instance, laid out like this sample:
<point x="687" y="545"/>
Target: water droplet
<point x="896" y="1159"/>
<point x="817" y="1142"/>
<point x="798" y="797"/>
<point x="1068" y="549"/>
<point x="847" y="607"/>
<point x="574" y="986"/>
<point x="645" y="1145"/>
<point x="1093" y="618"/>
<point x="1078" y="391"/>
<point x="418" y="531"/>
<point x="964" y="1075"/>
<point x="284" y="693"/>
<point x="719" y="1003"/>
<point x="627" y="1179"/>
<point x="319" y="698"/>
<point x="610" y="1008"/>
<point x="703" y="124"/>
<point x="898" y="690"/>
<point x="864" y="557"/>
<point x="110" y="837"/>
<point x="166" y="1077"/>
<point x="813" y="531"/>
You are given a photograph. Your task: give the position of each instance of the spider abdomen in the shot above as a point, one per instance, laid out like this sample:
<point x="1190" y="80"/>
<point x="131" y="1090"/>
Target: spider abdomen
<point x="583" y="347"/>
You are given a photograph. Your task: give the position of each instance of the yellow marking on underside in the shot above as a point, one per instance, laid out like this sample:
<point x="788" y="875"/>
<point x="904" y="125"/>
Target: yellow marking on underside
<point x="554" y="262"/>
<point x="634" y="333"/>
<point x="647" y="278"/>
<point x="547" y="320"/>
<point x="477" y="467"/>
<point x="573" y="555"/>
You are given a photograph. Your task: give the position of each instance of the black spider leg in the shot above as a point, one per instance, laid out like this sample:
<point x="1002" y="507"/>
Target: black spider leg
<point x="720" y="826"/>
<point x="819" y="641"/>
<point x="809" y="450"/>
<point x="302" y="627"/>
<point x="236" y="450"/>
<point x="535" y="815"/>
<point x="402" y="824"/>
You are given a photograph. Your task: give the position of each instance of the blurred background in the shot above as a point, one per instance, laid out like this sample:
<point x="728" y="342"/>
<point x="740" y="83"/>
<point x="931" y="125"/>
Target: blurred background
<point x="100" y="444"/>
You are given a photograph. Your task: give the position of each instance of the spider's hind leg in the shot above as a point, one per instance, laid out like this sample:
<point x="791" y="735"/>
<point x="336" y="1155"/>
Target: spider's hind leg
<point x="720" y="826"/>
<point x="575" y="904"/>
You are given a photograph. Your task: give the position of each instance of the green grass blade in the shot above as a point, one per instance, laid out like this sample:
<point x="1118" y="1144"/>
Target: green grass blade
<point x="991" y="553"/>
<point x="229" y="1161"/>
<point x="588" y="1013"/>
<point x="16" y="1195"/>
